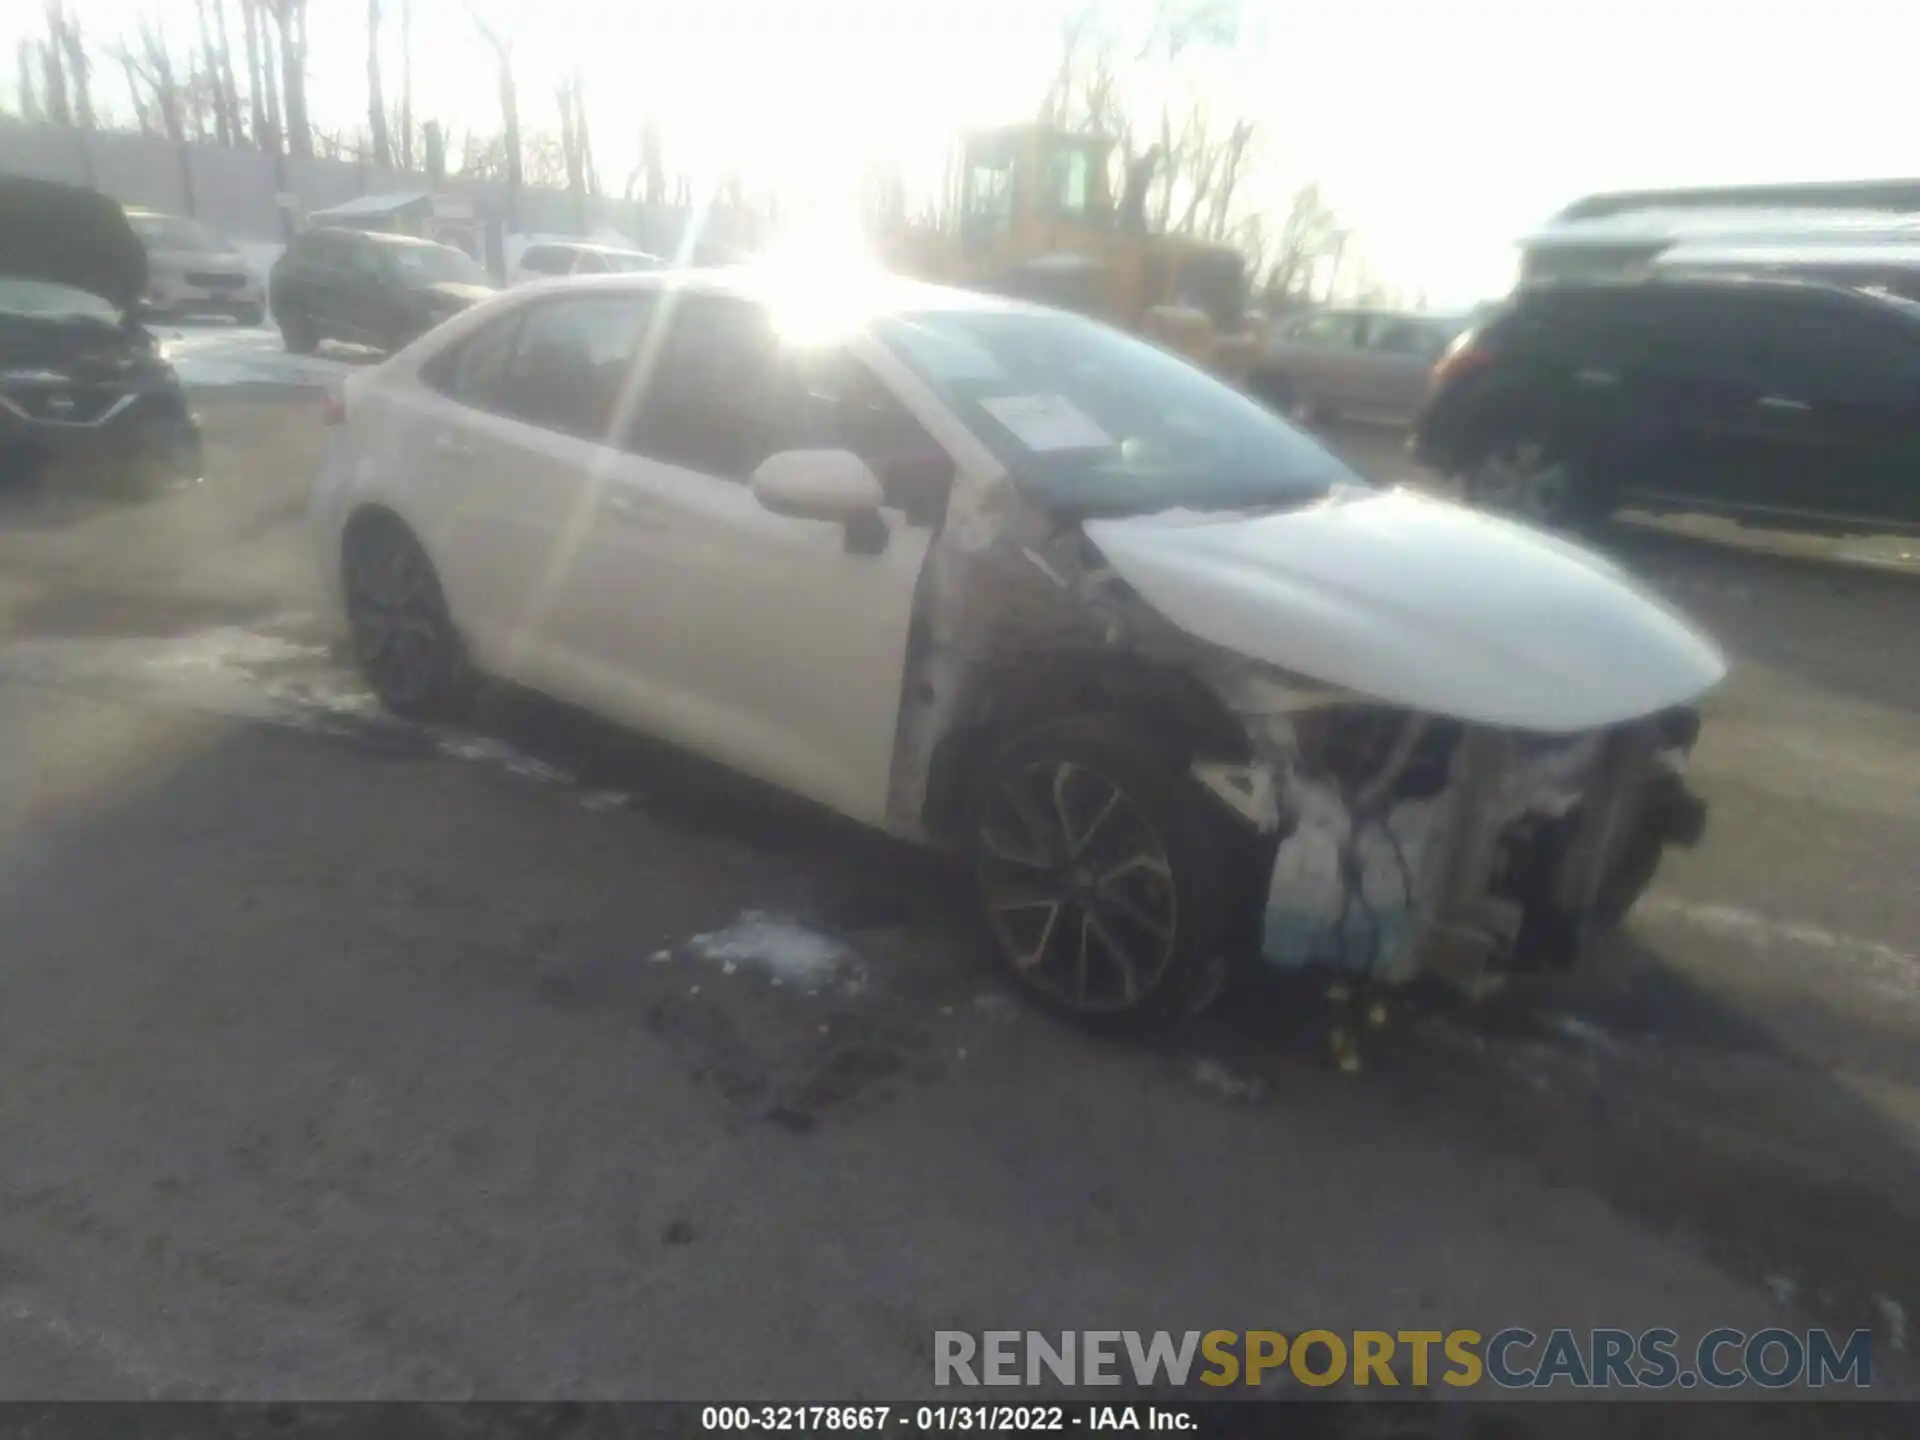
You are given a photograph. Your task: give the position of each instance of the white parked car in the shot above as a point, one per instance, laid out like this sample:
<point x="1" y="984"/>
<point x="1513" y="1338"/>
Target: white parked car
<point x="1001" y="578"/>
<point x="192" y="271"/>
<point x="544" y="259"/>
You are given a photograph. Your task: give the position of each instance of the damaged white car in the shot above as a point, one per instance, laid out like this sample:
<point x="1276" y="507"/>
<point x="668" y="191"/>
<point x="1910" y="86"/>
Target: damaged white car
<point x="1181" y="687"/>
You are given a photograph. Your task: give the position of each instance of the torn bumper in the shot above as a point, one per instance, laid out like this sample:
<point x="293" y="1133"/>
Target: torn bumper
<point x="1524" y="850"/>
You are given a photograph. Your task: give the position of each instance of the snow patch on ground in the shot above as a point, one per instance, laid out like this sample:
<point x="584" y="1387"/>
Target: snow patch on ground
<point x="218" y="355"/>
<point x="1888" y="971"/>
<point x="788" y="952"/>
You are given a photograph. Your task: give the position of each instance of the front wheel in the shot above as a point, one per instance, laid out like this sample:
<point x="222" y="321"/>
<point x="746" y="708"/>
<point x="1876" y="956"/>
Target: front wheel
<point x="1101" y="875"/>
<point x="298" y="333"/>
<point x="403" y="637"/>
<point x="1533" y="480"/>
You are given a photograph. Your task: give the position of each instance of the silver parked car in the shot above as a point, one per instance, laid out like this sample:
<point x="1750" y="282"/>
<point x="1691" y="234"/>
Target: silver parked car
<point x="1369" y="364"/>
<point x="192" y="271"/>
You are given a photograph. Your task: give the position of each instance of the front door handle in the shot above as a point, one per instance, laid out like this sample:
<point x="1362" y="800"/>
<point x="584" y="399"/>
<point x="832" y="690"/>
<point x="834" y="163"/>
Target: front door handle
<point x="1782" y="403"/>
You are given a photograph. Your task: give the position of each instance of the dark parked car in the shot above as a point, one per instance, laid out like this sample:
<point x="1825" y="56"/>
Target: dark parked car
<point x="368" y="287"/>
<point x="1775" y="399"/>
<point x="86" y="393"/>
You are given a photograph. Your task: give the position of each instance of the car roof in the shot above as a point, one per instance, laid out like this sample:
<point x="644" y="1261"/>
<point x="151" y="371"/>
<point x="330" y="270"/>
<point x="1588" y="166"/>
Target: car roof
<point x="382" y="237"/>
<point x="880" y="292"/>
<point x="1720" y="283"/>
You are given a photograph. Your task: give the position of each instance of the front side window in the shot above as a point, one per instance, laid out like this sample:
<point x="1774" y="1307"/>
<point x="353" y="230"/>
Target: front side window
<point x="1090" y="421"/>
<point x="726" y="392"/>
<point x="474" y="372"/>
<point x="543" y="260"/>
<point x="1069" y="182"/>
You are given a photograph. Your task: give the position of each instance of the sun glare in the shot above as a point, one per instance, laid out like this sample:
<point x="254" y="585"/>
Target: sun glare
<point x="823" y="279"/>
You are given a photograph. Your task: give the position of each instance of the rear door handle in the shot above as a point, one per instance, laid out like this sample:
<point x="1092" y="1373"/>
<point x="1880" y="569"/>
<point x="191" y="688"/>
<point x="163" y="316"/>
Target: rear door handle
<point x="1781" y="402"/>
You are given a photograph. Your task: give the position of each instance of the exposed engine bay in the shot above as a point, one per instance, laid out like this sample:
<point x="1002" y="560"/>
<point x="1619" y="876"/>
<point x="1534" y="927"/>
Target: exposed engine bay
<point x="1403" y="842"/>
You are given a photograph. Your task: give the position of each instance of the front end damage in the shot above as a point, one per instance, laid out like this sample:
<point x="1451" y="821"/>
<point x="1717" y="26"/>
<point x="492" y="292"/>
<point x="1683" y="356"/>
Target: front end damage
<point x="1418" y="845"/>
<point x="1392" y="842"/>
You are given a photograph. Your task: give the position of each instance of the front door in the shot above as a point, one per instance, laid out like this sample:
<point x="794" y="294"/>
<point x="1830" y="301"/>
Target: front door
<point x="692" y="610"/>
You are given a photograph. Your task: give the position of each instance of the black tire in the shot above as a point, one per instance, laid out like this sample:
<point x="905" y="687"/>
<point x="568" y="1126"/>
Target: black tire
<point x="404" y="639"/>
<point x="1103" y="877"/>
<point x="1534" y="478"/>
<point x="297" y="331"/>
<point x="250" y="315"/>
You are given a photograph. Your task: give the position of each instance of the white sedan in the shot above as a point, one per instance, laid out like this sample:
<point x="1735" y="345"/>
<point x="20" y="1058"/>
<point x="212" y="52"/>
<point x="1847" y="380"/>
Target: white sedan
<point x="1181" y="687"/>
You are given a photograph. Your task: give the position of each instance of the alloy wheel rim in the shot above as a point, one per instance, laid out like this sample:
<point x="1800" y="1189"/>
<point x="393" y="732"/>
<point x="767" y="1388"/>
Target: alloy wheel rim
<point x="1078" y="887"/>
<point x="396" y="629"/>
<point x="1524" y="479"/>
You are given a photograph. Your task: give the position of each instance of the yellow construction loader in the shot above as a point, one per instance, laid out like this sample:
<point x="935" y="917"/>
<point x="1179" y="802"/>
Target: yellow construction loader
<point x="1031" y="213"/>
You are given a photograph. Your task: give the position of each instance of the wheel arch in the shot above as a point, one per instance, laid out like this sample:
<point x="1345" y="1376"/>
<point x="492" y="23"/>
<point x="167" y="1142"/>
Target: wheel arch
<point x="1170" y="709"/>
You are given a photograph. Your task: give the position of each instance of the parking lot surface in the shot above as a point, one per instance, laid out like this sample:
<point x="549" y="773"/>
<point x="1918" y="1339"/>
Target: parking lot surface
<point x="343" y="1057"/>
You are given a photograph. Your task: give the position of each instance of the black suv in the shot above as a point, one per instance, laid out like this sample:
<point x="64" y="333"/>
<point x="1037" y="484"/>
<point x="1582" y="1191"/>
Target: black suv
<point x="368" y="287"/>
<point x="1781" y="400"/>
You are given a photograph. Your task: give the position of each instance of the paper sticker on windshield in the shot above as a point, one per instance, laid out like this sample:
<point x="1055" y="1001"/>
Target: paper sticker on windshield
<point x="1047" y="422"/>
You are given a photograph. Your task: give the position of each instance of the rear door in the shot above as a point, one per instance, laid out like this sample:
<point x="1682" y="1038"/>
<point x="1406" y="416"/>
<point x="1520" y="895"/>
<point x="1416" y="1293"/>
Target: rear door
<point x="509" y="434"/>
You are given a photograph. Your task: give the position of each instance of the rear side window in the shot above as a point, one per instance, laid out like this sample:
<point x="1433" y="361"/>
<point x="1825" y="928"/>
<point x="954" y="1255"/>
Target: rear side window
<point x="572" y="364"/>
<point x="1835" y="354"/>
<point x="1330" y="330"/>
<point x="544" y="260"/>
<point x="474" y="371"/>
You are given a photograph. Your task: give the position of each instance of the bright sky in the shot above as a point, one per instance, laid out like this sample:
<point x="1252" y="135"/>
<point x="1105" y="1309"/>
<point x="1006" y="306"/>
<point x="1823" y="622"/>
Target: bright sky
<point x="1440" y="129"/>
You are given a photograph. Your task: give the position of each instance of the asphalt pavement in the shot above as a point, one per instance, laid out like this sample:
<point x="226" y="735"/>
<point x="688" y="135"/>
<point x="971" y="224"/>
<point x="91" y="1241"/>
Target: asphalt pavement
<point x="347" y="1058"/>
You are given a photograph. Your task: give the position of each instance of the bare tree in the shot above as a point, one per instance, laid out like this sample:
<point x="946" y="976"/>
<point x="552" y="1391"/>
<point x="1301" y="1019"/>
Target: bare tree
<point x="1309" y="233"/>
<point x="53" y="72"/>
<point x="376" y="104"/>
<point x="256" y="79"/>
<point x="206" y="81"/>
<point x="270" y="81"/>
<point x="502" y="46"/>
<point x="229" y="91"/>
<point x="406" y="84"/>
<point x="79" y="67"/>
<point x="290" y="17"/>
<point x="27" y="63"/>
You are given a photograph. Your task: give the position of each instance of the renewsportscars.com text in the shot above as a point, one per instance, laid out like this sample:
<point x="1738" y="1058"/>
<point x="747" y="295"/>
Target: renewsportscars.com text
<point x="1511" y="1359"/>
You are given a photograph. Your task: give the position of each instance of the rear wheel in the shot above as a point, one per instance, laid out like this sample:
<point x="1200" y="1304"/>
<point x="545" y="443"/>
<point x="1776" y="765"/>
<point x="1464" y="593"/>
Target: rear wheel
<point x="1101" y="875"/>
<point x="403" y="637"/>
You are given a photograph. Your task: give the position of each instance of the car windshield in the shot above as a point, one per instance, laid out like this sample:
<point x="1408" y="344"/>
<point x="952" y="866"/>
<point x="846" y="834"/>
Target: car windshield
<point x="1090" y="421"/>
<point x="42" y="298"/>
<point x="436" y="263"/>
<point x="171" y="232"/>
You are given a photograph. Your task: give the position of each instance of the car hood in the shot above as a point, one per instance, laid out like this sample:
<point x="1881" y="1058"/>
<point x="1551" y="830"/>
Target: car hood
<point x="1421" y="603"/>
<point x="68" y="235"/>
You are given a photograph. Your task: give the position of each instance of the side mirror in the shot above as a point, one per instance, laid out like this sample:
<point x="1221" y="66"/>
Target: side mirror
<point x="825" y="485"/>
